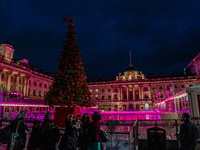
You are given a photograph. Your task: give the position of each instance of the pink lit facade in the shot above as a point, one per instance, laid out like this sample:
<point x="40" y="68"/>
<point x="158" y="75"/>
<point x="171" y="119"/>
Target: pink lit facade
<point x="133" y="91"/>
<point x="18" y="77"/>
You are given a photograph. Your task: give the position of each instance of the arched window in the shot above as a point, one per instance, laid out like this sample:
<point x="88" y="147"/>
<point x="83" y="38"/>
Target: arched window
<point x="109" y="107"/>
<point x="130" y="106"/>
<point x="116" y="107"/>
<point x="146" y="106"/>
<point x="137" y="106"/>
<point x="103" y="107"/>
<point x="124" y="107"/>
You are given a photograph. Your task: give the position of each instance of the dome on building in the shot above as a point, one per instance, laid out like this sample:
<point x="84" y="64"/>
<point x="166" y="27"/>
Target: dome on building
<point x="131" y="69"/>
<point x="6" y="42"/>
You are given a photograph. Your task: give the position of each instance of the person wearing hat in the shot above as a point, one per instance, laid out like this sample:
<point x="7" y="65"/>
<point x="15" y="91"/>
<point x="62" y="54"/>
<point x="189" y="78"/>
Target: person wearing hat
<point x="34" y="140"/>
<point x="69" y="140"/>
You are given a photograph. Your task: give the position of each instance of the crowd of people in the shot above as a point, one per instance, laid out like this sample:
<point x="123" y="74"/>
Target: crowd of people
<point x="80" y="133"/>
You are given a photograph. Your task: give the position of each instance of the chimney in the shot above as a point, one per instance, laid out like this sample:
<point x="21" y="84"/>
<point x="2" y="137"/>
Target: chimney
<point x="97" y="79"/>
<point x="174" y="73"/>
<point x="114" y="77"/>
<point x="160" y="74"/>
<point x="92" y="79"/>
<point x="41" y="71"/>
<point x="150" y="75"/>
<point x="103" y="78"/>
<point x="33" y="68"/>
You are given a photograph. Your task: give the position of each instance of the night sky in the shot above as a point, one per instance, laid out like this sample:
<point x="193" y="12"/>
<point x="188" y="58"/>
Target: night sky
<point x="162" y="35"/>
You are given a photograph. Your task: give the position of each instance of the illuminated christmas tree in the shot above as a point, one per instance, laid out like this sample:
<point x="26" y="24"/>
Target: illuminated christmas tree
<point x="69" y="85"/>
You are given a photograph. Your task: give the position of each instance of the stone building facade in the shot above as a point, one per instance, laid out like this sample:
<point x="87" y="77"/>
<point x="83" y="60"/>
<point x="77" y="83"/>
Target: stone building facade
<point x="19" y="77"/>
<point x="134" y="91"/>
<point x="131" y="91"/>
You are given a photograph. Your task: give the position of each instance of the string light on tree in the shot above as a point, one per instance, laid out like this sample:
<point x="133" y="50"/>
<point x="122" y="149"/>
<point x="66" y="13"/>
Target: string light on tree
<point x="69" y="86"/>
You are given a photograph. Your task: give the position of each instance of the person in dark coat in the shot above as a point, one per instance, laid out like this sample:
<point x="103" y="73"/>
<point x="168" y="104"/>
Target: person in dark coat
<point x="33" y="143"/>
<point x="69" y="140"/>
<point x="21" y="129"/>
<point x="43" y="143"/>
<point x="94" y="133"/>
<point x="188" y="133"/>
<point x="84" y="138"/>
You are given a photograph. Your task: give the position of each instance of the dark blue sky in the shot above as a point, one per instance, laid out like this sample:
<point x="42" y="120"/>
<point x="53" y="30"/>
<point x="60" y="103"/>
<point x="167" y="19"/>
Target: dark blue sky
<point x="163" y="35"/>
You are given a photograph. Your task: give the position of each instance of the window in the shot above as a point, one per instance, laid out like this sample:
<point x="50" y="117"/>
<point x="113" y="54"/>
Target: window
<point x="108" y="90"/>
<point x="175" y="86"/>
<point x="19" y="89"/>
<point x="20" y="80"/>
<point x="115" y="90"/>
<point x="30" y="108"/>
<point x="190" y="85"/>
<point x="26" y="108"/>
<point x="29" y="82"/>
<point x="29" y="91"/>
<point x="40" y="84"/>
<point x="34" y="92"/>
<point x="103" y="90"/>
<point x="35" y="83"/>
<point x="97" y="90"/>
<point x="90" y="90"/>
<point x="16" y="109"/>
<point x="102" y="97"/>
<point x="160" y="87"/>
<point x="11" y="78"/>
<point x="45" y="93"/>
<point x="109" y="97"/>
<point x="2" y="75"/>
<point x="131" y="89"/>
<point x="33" y="108"/>
<point x="45" y="85"/>
<point x="96" y="97"/>
<point x="39" y="93"/>
<point x="182" y="86"/>
<point x="11" y="87"/>
<point x="153" y="88"/>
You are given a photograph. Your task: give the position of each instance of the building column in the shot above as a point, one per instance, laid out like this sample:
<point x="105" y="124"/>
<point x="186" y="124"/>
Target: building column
<point x="27" y="84"/>
<point x="24" y="85"/>
<point x="1" y="88"/>
<point x="175" y="110"/>
<point x="121" y="92"/>
<point x="127" y="92"/>
<point x="8" y="81"/>
<point x="17" y="82"/>
<point x="118" y="93"/>
<point x="149" y="92"/>
<point x="133" y="92"/>
<point x="142" y="93"/>
<point x="139" y="92"/>
<point x="111" y="92"/>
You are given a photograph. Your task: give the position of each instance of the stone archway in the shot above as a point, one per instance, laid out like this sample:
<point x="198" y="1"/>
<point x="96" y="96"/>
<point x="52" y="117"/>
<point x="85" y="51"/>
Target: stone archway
<point x="116" y="106"/>
<point x="146" y="106"/>
<point x="137" y="106"/>
<point x="130" y="106"/>
<point x="124" y="107"/>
